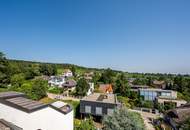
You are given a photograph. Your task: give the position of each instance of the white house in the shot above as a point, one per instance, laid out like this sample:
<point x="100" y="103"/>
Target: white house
<point x="33" y="115"/>
<point x="91" y="89"/>
<point x="68" y="73"/>
<point x="56" y="81"/>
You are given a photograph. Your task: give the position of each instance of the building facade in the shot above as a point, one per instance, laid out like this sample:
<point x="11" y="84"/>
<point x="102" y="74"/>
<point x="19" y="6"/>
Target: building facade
<point x="152" y="94"/>
<point x="33" y="115"/>
<point x="98" y="104"/>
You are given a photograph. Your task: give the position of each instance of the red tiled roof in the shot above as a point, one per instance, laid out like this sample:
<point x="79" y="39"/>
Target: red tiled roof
<point x="106" y="88"/>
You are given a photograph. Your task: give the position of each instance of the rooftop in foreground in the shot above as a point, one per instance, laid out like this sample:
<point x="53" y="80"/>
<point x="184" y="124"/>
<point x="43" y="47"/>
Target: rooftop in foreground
<point x="4" y="125"/>
<point x="10" y="94"/>
<point x="25" y="104"/>
<point x="62" y="107"/>
<point x="99" y="97"/>
<point x="20" y="102"/>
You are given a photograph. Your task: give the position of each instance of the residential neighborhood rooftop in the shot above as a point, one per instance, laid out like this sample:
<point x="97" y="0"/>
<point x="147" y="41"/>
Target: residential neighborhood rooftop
<point x="70" y="83"/>
<point x="5" y="125"/>
<point x="155" y="89"/>
<point x="62" y="107"/>
<point x="105" y="88"/>
<point x="25" y="104"/>
<point x="98" y="97"/>
<point x="10" y="94"/>
<point x="19" y="101"/>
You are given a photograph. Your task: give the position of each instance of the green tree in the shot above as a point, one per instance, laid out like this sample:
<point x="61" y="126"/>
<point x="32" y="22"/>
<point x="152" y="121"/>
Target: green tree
<point x="107" y="76"/>
<point x="123" y="119"/>
<point x="82" y="87"/>
<point x="141" y="81"/>
<point x="17" y="80"/>
<point x="125" y="101"/>
<point x="186" y="125"/>
<point x="38" y="89"/>
<point x="147" y="104"/>
<point x="87" y="124"/>
<point x="73" y="70"/>
<point x="48" y="69"/>
<point x="4" y="70"/>
<point x="122" y="85"/>
<point x="96" y="77"/>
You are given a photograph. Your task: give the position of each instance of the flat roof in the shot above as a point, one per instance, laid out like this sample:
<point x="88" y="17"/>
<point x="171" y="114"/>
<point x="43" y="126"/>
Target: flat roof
<point x="10" y="94"/>
<point x="19" y="101"/>
<point x="140" y="86"/>
<point x="159" y="90"/>
<point x="99" y="97"/>
<point x="5" y="125"/>
<point x="61" y="107"/>
<point x="26" y="104"/>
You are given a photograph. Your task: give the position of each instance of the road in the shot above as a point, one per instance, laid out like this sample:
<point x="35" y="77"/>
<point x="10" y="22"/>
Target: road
<point x="57" y="96"/>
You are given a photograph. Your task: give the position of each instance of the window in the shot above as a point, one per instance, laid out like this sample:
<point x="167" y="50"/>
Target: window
<point x="87" y="109"/>
<point x="109" y="111"/>
<point x="98" y="110"/>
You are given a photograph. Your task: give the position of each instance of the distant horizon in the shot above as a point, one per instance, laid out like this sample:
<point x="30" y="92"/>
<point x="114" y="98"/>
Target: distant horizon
<point x="129" y="35"/>
<point x="91" y="67"/>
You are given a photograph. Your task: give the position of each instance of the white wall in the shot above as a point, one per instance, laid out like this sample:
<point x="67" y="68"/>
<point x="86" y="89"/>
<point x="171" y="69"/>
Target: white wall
<point x="45" y="119"/>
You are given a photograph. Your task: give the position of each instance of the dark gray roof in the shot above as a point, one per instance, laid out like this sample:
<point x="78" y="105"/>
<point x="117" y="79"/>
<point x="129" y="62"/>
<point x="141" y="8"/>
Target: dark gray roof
<point x="10" y="94"/>
<point x="19" y="101"/>
<point x="70" y="83"/>
<point x="26" y="104"/>
<point x="5" y="124"/>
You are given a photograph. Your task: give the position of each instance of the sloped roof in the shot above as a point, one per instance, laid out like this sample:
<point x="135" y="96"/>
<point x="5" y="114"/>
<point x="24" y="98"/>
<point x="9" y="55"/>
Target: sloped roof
<point x="156" y="82"/>
<point x="70" y="83"/>
<point x="105" y="88"/>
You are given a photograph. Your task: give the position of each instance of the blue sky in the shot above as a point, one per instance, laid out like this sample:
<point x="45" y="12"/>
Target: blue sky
<point x="129" y="35"/>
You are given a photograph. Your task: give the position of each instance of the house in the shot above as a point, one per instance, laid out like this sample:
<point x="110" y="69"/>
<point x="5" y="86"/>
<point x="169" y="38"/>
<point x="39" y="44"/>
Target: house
<point x="151" y="94"/>
<point x="131" y="80"/>
<point x="177" y="102"/>
<point x="161" y="96"/>
<point x="5" y="125"/>
<point x="67" y="73"/>
<point x="56" y="81"/>
<point x="105" y="88"/>
<point x="177" y="116"/>
<point x="91" y="89"/>
<point x="159" y="84"/>
<point x="136" y="88"/>
<point x="98" y="104"/>
<point x="34" y="115"/>
<point x="88" y="76"/>
<point x="69" y="86"/>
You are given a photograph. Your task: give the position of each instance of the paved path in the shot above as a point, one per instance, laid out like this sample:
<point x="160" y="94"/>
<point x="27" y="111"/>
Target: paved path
<point x="61" y="97"/>
<point x="146" y="117"/>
